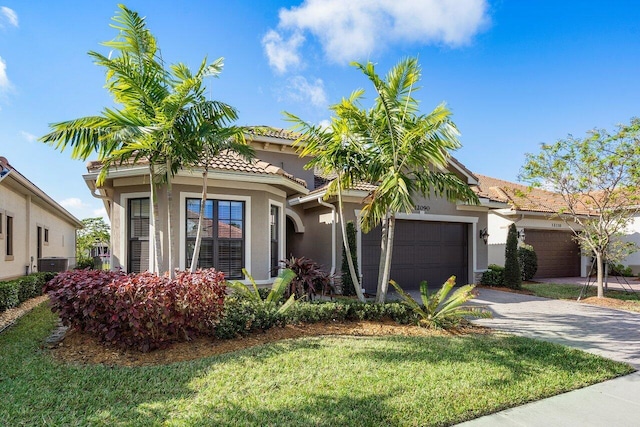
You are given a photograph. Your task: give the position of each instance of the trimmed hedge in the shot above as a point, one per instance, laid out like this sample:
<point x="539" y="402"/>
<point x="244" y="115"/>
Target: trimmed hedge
<point x="15" y="292"/>
<point x="141" y="311"/>
<point x="241" y="318"/>
<point x="494" y="276"/>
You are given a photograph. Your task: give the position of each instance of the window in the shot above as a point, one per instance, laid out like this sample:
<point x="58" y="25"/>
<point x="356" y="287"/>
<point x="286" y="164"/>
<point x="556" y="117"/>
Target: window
<point x="39" y="242"/>
<point x="274" y="231"/>
<point x="222" y="245"/>
<point x="9" y="237"/>
<point x="46" y="235"/>
<point x="1" y="225"/>
<point x="138" y="232"/>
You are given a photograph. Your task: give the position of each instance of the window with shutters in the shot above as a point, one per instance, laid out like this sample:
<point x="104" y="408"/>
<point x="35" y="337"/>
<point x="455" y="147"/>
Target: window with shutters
<point x="138" y="232"/>
<point x="274" y="232"/>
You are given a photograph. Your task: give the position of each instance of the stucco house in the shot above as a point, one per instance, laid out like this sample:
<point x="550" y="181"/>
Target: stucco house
<point x="536" y="220"/>
<point x="263" y="211"/>
<point x="35" y="231"/>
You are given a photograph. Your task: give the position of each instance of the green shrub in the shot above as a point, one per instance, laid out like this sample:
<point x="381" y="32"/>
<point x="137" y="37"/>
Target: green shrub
<point x="493" y="276"/>
<point x="348" y="287"/>
<point x="9" y="294"/>
<point x="340" y="311"/>
<point x="528" y="261"/>
<point x="84" y="263"/>
<point x="439" y="309"/>
<point x="620" y="270"/>
<point x="512" y="276"/>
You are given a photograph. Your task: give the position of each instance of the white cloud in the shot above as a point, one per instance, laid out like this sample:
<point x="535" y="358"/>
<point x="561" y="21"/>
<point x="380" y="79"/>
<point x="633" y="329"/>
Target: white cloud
<point x="301" y="90"/>
<point x="5" y="84"/>
<point x="350" y="30"/>
<point x="325" y="124"/>
<point x="73" y="203"/>
<point x="8" y="16"/>
<point x="282" y="53"/>
<point x="28" y="136"/>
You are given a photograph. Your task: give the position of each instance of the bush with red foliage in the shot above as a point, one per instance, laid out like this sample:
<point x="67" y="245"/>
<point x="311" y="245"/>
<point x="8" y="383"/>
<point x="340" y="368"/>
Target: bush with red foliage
<point x="142" y="311"/>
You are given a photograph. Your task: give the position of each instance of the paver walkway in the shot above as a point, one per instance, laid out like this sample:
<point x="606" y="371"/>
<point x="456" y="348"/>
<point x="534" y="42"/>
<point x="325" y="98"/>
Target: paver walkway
<point x="610" y="333"/>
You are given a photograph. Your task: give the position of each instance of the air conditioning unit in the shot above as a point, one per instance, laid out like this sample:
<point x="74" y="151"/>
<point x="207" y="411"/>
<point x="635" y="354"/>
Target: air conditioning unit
<point x="55" y="265"/>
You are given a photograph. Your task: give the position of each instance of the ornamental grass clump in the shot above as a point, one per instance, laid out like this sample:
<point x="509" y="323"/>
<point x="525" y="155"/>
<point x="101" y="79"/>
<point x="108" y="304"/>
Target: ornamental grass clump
<point x="139" y="311"/>
<point x="439" y="309"/>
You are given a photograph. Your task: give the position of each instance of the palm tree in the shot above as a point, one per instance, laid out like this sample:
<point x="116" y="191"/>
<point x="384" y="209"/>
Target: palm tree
<point x="408" y="153"/>
<point x="163" y="119"/>
<point x="334" y="150"/>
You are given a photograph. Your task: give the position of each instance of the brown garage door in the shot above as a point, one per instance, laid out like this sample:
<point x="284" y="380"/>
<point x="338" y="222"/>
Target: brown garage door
<point x="558" y="254"/>
<point x="431" y="251"/>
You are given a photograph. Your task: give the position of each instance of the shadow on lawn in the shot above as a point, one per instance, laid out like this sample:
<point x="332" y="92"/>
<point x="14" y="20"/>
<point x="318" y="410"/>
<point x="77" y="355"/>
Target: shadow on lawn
<point x="267" y="385"/>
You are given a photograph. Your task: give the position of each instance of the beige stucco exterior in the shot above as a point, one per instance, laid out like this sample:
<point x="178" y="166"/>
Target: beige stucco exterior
<point x="30" y="208"/>
<point x="308" y="227"/>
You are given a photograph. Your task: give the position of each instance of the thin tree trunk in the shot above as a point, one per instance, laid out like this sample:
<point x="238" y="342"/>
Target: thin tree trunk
<point x="383" y="254"/>
<point x="599" y="274"/>
<point x="386" y="275"/>
<point x="347" y="248"/>
<point x="172" y="264"/>
<point x="203" y="200"/>
<point x="155" y="216"/>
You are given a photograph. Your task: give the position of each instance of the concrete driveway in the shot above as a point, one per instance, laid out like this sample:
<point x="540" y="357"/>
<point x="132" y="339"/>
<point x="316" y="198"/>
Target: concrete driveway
<point x="610" y="333"/>
<point x="614" y="334"/>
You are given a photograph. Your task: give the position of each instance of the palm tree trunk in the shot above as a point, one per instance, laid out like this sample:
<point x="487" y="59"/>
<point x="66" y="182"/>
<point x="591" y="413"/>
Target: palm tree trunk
<point x="383" y="285"/>
<point x="600" y="269"/>
<point x="383" y="255"/>
<point x="155" y="216"/>
<point x="347" y="248"/>
<point x="203" y="200"/>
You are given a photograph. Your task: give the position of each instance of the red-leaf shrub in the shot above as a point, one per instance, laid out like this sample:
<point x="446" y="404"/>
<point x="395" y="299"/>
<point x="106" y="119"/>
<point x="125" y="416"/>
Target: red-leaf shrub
<point x="142" y="311"/>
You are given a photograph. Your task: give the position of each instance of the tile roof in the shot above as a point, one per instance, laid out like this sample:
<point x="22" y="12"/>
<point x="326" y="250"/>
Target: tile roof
<point x="321" y="182"/>
<point x="230" y="161"/>
<point x="273" y="132"/>
<point x="522" y="197"/>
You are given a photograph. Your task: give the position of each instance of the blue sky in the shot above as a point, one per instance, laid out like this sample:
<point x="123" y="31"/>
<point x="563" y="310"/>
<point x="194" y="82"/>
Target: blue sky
<point x="514" y="73"/>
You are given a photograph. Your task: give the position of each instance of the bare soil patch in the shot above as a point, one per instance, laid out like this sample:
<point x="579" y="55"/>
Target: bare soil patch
<point x="79" y="348"/>
<point x="613" y="303"/>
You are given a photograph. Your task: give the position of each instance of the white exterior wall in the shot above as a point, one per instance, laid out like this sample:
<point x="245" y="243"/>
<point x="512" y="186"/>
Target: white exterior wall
<point x="633" y="235"/>
<point x="27" y="216"/>
<point x="498" y="229"/>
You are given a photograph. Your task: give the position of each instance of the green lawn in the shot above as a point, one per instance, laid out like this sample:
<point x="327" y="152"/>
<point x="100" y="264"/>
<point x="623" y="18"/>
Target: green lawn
<point x="314" y="381"/>
<point x="565" y="291"/>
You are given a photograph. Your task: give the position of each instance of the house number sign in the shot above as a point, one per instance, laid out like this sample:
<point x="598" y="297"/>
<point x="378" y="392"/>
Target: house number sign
<point x="556" y="225"/>
<point x="422" y="208"/>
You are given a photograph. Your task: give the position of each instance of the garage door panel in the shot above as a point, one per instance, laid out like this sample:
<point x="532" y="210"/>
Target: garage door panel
<point x="558" y="254"/>
<point x="431" y="251"/>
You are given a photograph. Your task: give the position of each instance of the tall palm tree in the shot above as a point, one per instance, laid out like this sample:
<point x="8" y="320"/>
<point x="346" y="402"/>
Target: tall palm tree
<point x="334" y="150"/>
<point x="163" y="115"/>
<point x="409" y="153"/>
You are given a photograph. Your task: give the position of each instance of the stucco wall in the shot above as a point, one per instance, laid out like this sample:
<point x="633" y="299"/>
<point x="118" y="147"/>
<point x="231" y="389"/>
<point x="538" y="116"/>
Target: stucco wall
<point x="27" y="216"/>
<point x="633" y="235"/>
<point x="316" y="243"/>
<point x="257" y="205"/>
<point x="290" y="163"/>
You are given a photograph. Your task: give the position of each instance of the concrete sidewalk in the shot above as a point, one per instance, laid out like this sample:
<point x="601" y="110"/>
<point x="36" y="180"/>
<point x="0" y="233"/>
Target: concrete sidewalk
<point x="610" y="333"/>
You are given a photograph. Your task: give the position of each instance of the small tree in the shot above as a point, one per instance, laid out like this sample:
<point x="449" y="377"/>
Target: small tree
<point x="94" y="232"/>
<point x="598" y="179"/>
<point x="348" y="287"/>
<point x="512" y="273"/>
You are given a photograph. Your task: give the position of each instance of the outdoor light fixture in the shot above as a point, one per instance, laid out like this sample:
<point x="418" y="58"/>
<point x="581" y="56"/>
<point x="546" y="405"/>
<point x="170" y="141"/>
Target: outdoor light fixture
<point x="521" y="234"/>
<point x="484" y="235"/>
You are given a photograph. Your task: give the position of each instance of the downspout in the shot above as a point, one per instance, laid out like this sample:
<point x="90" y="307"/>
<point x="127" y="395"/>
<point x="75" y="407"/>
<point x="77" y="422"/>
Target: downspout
<point x="333" y="234"/>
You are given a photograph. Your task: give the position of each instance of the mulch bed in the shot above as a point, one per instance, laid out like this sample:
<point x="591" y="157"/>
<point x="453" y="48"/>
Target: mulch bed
<point x="79" y="348"/>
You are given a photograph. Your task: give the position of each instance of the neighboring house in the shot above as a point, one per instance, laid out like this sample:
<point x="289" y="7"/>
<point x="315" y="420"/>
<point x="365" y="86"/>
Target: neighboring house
<point x="558" y="253"/>
<point x="35" y="231"/>
<point x="261" y="212"/>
